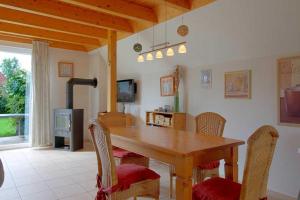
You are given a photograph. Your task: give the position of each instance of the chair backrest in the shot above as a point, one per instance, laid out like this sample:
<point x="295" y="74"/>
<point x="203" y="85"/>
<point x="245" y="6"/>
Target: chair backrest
<point x="102" y="144"/>
<point x="210" y="123"/>
<point x="260" y="150"/>
<point x="116" y="119"/>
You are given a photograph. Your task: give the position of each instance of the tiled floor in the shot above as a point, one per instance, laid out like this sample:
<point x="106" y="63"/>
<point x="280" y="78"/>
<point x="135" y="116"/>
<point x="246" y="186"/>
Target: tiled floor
<point x="46" y="174"/>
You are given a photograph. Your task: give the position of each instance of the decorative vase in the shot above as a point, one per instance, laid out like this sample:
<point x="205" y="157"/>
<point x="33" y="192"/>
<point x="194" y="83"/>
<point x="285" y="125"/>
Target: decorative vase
<point x="176" y="102"/>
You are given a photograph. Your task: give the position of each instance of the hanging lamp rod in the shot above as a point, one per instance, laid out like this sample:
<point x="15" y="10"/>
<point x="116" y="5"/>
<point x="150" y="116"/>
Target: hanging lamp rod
<point x="165" y="47"/>
<point x="161" y="44"/>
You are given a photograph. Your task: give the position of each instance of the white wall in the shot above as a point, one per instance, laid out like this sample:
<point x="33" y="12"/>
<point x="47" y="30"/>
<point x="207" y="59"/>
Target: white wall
<point x="58" y="84"/>
<point x="225" y="36"/>
<point x="98" y="96"/>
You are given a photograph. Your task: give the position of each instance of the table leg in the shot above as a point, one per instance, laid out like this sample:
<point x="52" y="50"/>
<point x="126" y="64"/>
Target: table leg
<point x="184" y="171"/>
<point x="231" y="164"/>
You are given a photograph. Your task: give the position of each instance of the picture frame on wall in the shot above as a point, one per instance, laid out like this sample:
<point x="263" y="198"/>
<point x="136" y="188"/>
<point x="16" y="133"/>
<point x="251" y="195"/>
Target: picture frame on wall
<point x="167" y="85"/>
<point x="288" y="95"/>
<point x="237" y="84"/>
<point x="206" y="78"/>
<point x="65" y="69"/>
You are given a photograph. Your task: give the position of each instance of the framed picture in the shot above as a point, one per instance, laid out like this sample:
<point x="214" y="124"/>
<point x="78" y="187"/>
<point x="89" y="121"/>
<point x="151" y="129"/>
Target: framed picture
<point x="206" y="78"/>
<point x="167" y="86"/>
<point x="238" y="84"/>
<point x="289" y="91"/>
<point x="65" y="69"/>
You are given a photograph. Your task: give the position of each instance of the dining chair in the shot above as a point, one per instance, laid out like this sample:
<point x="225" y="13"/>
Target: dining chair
<point x="123" y="156"/>
<point x="208" y="123"/>
<point x="260" y="151"/>
<point x="123" y="181"/>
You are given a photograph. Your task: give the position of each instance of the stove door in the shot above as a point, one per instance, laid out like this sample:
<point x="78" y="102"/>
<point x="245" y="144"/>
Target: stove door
<point x="62" y="122"/>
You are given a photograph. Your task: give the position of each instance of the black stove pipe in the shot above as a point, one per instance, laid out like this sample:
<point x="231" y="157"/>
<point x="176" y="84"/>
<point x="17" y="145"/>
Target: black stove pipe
<point x="77" y="81"/>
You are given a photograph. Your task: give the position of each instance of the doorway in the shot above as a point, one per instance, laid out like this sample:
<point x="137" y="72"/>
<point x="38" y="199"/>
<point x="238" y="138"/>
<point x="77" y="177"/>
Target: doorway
<point x="15" y="81"/>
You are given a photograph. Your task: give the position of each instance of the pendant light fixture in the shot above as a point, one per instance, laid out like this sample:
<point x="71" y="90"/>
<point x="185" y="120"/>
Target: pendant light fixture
<point x="159" y="54"/>
<point x="170" y="52"/>
<point x="182" y="30"/>
<point x="158" y="50"/>
<point x="140" y="58"/>
<point x="149" y="56"/>
<point x="182" y="49"/>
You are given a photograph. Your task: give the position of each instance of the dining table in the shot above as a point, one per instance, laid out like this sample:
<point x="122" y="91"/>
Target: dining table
<point x="182" y="149"/>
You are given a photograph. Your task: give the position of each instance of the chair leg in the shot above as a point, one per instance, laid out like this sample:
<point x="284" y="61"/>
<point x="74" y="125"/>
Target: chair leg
<point x="171" y="181"/>
<point x="134" y="198"/>
<point x="171" y="186"/>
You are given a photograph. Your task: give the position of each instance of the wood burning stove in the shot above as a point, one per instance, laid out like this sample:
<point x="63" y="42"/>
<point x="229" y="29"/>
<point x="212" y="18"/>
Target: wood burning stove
<point x="68" y="122"/>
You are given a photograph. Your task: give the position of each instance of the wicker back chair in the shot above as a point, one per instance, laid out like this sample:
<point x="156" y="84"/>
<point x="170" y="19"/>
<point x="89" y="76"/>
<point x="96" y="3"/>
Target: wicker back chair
<point x="260" y="151"/>
<point x="103" y="148"/>
<point x="210" y="123"/>
<point x="123" y="156"/>
<point x="108" y="176"/>
<point x="261" y="146"/>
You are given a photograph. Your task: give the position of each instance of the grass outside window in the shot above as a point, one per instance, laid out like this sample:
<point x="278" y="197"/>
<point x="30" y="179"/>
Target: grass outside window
<point x="7" y="127"/>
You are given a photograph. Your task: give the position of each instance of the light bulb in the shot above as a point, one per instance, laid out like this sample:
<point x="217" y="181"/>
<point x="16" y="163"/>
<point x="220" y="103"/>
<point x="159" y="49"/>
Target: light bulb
<point x="182" y="49"/>
<point x="149" y="56"/>
<point x="140" y="58"/>
<point x="170" y="52"/>
<point x="159" y="54"/>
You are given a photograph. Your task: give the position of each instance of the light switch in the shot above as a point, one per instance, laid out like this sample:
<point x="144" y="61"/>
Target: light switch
<point x="298" y="150"/>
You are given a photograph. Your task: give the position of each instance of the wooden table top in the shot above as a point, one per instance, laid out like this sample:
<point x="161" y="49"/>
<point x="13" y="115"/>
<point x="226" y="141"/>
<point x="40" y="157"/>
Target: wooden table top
<point x="172" y="141"/>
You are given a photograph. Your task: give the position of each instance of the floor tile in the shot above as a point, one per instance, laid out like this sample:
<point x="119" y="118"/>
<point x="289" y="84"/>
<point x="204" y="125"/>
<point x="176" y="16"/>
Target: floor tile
<point x="84" y="196"/>
<point x="45" y="195"/>
<point x="9" y="194"/>
<point x="59" y="182"/>
<point x="68" y="191"/>
<point x="32" y="188"/>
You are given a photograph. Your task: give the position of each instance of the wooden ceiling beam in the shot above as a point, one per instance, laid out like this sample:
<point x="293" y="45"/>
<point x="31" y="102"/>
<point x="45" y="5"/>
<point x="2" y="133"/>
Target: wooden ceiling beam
<point x="62" y="10"/>
<point x="46" y="34"/>
<point x="121" y="8"/>
<point x="48" y="23"/>
<point x="180" y="4"/>
<point x="55" y="44"/>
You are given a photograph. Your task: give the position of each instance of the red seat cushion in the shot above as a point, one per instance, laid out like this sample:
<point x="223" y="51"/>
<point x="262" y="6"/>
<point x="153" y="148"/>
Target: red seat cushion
<point x="121" y="153"/>
<point x="131" y="173"/>
<point x="217" y="189"/>
<point x="210" y="165"/>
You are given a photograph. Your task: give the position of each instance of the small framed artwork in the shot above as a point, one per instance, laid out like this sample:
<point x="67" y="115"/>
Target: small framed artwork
<point x="238" y="84"/>
<point x="167" y="86"/>
<point x="206" y="78"/>
<point x="65" y="69"/>
<point x="289" y="91"/>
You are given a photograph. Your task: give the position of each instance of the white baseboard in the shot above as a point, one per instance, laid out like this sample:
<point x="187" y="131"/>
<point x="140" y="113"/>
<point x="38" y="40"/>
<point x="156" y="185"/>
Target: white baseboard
<point x="14" y="146"/>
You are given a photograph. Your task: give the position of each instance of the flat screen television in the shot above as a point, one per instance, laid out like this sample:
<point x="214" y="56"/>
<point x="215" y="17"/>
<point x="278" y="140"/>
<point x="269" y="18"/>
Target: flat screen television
<point x="126" y="91"/>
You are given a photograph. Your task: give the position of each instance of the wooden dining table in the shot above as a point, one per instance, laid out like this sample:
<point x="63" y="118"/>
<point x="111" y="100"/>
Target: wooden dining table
<point x="183" y="149"/>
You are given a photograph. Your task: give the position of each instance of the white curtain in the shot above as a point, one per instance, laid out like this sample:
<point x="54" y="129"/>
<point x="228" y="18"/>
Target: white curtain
<point x="40" y="109"/>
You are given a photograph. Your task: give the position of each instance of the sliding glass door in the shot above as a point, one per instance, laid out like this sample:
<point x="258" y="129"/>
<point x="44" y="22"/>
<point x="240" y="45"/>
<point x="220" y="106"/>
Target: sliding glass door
<point x="15" y="73"/>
